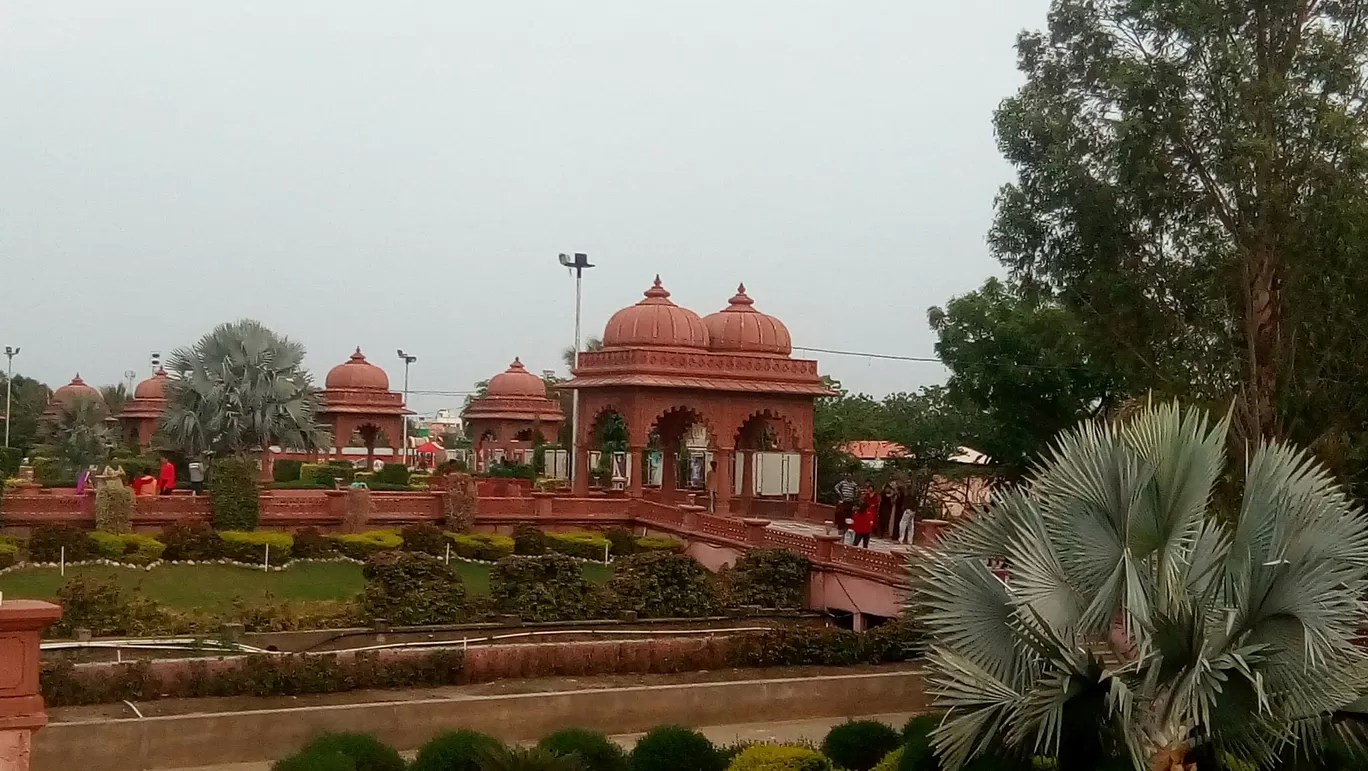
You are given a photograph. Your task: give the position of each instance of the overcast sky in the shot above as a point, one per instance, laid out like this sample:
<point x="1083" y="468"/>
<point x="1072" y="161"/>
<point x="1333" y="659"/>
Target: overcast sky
<point x="403" y="174"/>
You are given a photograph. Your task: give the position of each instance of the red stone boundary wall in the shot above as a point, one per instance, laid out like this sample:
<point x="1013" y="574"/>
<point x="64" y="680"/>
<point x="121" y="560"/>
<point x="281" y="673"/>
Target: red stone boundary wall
<point x="326" y="509"/>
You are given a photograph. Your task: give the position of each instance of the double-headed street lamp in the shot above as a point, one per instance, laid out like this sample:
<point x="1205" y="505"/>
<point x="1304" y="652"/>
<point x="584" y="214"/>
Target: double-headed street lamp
<point x="407" y="361"/>
<point x="10" y="353"/>
<point x="578" y="263"/>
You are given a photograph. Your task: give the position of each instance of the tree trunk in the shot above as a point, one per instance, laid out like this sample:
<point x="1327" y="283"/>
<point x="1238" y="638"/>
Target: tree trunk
<point x="1263" y="331"/>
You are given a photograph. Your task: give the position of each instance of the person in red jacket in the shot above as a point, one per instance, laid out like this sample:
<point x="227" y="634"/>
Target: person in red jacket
<point x="166" y="477"/>
<point x="868" y="514"/>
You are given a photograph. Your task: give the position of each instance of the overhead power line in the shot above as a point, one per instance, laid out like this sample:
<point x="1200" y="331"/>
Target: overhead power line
<point x="866" y="355"/>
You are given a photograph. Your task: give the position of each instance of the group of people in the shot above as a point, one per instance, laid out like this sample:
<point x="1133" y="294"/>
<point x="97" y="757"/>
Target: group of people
<point x="862" y="511"/>
<point x="164" y="483"/>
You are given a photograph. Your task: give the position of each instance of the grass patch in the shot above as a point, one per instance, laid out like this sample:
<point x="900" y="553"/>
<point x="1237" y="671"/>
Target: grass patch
<point x="214" y="587"/>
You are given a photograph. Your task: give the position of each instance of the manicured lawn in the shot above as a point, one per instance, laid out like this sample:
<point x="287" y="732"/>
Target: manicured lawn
<point x="215" y="586"/>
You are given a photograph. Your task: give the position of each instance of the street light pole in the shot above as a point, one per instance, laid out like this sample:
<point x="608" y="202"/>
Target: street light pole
<point x="579" y="262"/>
<point x="407" y="361"/>
<point x="10" y="353"/>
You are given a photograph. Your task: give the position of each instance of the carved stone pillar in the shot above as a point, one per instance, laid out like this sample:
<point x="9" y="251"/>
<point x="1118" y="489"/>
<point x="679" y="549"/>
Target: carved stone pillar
<point x="21" y="707"/>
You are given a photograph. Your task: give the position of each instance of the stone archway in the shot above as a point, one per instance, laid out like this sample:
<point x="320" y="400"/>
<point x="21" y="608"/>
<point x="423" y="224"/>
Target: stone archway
<point x="671" y="426"/>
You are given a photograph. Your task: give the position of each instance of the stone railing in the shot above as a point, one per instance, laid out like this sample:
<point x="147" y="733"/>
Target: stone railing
<point x="22" y="711"/>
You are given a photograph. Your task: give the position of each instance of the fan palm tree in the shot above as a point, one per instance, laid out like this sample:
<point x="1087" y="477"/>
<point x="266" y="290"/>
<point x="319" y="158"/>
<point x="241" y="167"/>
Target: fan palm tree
<point x="1138" y="625"/>
<point x="81" y="436"/>
<point x="241" y="388"/>
<point x="528" y="759"/>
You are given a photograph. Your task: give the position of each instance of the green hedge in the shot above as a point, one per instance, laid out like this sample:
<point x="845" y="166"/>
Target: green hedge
<point x="326" y="474"/>
<point x="664" y="585"/>
<point x="583" y="544"/>
<point x="551" y="587"/>
<point x="297" y="485"/>
<point x="233" y="484"/>
<point x="9" y="552"/>
<point x="361" y="546"/>
<point x="769" y="578"/>
<point x="675" y="748"/>
<point x="652" y="543"/>
<point x="859" y="745"/>
<point x="391" y="474"/>
<point x="286" y="470"/>
<point x="191" y="542"/>
<point x="411" y="589"/>
<point x="10" y="458"/>
<point x="250" y="546"/>
<point x="898" y="640"/>
<point x="47" y="544"/>
<point x="130" y="548"/>
<point x="488" y="547"/>
<point x="780" y="757"/>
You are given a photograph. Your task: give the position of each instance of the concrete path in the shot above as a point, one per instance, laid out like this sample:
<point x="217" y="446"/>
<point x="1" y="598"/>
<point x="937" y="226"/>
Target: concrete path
<point x="792" y="731"/>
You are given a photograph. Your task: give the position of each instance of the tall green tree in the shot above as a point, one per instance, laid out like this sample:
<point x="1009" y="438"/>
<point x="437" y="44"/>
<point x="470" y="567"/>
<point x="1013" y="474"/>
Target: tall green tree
<point x="1191" y="178"/>
<point x="28" y="399"/>
<point x="1021" y="364"/>
<point x="239" y="390"/>
<point x="81" y="436"/>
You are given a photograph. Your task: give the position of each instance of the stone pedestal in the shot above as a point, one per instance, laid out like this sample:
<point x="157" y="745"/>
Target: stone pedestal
<point x="21" y="707"/>
<point x="755" y="531"/>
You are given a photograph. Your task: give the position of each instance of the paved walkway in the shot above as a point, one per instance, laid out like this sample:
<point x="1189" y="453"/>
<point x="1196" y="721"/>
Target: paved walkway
<point x="792" y="731"/>
<point x="811" y="529"/>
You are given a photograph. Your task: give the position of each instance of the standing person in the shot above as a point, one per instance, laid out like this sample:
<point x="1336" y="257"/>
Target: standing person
<point x="166" y="477"/>
<point x="845" y="503"/>
<point x="907" y="526"/>
<point x="196" y="470"/>
<point x="888" y="501"/>
<point x="862" y="524"/>
<point x="712" y="487"/>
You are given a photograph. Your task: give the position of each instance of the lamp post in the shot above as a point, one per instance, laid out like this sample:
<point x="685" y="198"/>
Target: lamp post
<point x="10" y="353"/>
<point x="578" y="262"/>
<point x="407" y="361"/>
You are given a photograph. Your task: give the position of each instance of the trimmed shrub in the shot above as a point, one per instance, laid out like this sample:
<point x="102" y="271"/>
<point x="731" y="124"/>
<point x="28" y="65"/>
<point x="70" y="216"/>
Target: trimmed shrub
<point x="664" y="585"/>
<point x="489" y="547"/>
<point x="675" y="748"/>
<point x="551" y="587"/>
<point x="191" y="542"/>
<point x="330" y="760"/>
<point x="892" y="761"/>
<point x="309" y="543"/>
<point x="412" y="589"/>
<point x="48" y="541"/>
<point x="650" y="543"/>
<point x="796" y="646"/>
<point x="326" y="474"/>
<point x="234" y="491"/>
<point x="582" y="544"/>
<point x="113" y="508"/>
<point x="396" y="474"/>
<point x="286" y="470"/>
<point x="419" y="481"/>
<point x="362" y="546"/>
<point x="622" y="540"/>
<point x="598" y="752"/>
<point x="859" y="745"/>
<point x="770" y="578"/>
<point x="296" y="485"/>
<point x="528" y="540"/>
<point x="900" y="639"/>
<point x="919" y="754"/>
<point x="10" y="458"/>
<point x="455" y="751"/>
<point x="424" y="538"/>
<point x="779" y="757"/>
<point x="250" y="546"/>
<point x="104" y="609"/>
<point x="364" y="750"/>
<point x="458" y="506"/>
<point x="130" y="548"/>
<point x="9" y="553"/>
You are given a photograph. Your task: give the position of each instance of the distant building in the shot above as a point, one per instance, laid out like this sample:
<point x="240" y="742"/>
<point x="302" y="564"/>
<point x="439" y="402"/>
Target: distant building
<point x="873" y="453"/>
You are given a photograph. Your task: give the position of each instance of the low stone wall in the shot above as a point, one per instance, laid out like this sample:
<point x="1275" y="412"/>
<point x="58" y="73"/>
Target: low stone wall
<point x="202" y="739"/>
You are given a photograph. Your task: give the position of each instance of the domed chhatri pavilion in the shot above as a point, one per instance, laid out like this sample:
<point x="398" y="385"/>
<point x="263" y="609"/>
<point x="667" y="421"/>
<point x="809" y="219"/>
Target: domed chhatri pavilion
<point x="357" y="400"/>
<point x="514" y="408"/>
<point x="143" y="409"/>
<point x="69" y="395"/>
<point x="665" y="370"/>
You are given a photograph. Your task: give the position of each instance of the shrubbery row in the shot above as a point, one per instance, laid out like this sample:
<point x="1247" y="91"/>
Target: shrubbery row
<point x="65" y="684"/>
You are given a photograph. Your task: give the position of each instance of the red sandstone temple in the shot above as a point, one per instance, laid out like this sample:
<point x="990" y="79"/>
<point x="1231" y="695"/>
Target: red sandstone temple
<point x="513" y="410"/>
<point x="357" y="401"/>
<point x="143" y="409"/>
<point x="69" y="395"/>
<point x="665" y="370"/>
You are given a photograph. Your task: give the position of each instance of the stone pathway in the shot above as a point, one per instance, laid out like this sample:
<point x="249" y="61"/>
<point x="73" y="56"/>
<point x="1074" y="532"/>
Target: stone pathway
<point x="811" y="529"/>
<point x="790" y="731"/>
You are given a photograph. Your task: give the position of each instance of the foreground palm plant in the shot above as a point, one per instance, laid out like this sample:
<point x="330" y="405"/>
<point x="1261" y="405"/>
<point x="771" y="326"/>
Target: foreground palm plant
<point x="240" y="389"/>
<point x="1139" y="626"/>
<point x="81" y="434"/>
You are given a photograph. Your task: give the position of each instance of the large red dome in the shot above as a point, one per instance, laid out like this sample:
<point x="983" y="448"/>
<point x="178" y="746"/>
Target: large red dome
<point x="153" y="387"/>
<point x="75" y="391"/>
<point x="655" y="322"/>
<point x="357" y="374"/>
<point x="740" y="328"/>
<point x="516" y="381"/>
